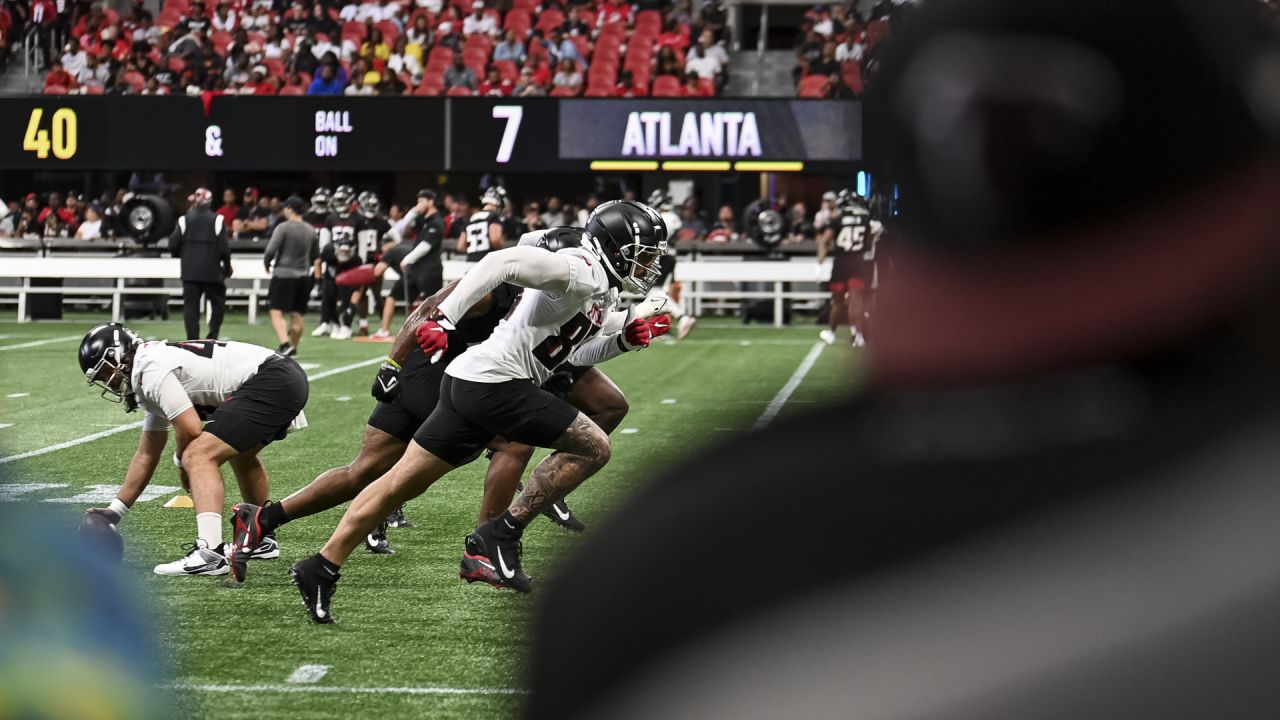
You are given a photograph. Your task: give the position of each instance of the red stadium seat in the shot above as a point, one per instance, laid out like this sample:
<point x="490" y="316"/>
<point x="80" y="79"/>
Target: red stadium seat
<point x="506" y="70"/>
<point x="55" y="90"/>
<point x="562" y="91"/>
<point x="390" y="31"/>
<point x="615" y="29"/>
<point x="598" y="92"/>
<point x="93" y="90"/>
<point x="649" y="19"/>
<point x="136" y="80"/>
<point x="460" y="91"/>
<point x="851" y="73"/>
<point x="478" y="42"/>
<point x="708" y="86"/>
<point x="112" y="16"/>
<point x="666" y="86"/>
<point x="812" y="86"/>
<point x="353" y="30"/>
<point x="274" y="66"/>
<point x="441" y="53"/>
<point x="582" y="43"/>
<point x="528" y="6"/>
<point x="177" y="65"/>
<point x="220" y="41"/>
<point x="257" y="37"/>
<point x="413" y="17"/>
<point x="518" y="19"/>
<point x="293" y="90"/>
<point x="549" y="19"/>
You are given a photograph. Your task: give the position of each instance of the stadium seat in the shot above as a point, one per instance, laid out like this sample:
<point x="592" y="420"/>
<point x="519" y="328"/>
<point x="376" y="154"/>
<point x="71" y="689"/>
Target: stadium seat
<point x="519" y="20"/>
<point x="257" y="38"/>
<point x="480" y="42"/>
<point x="851" y="73"/>
<point x="293" y="90"/>
<point x="550" y="19"/>
<point x="442" y="53"/>
<point x="708" y="86"/>
<point x="111" y="15"/>
<point x="598" y="92"/>
<point x="220" y="41"/>
<point x="390" y="31"/>
<point x="135" y="79"/>
<point x="177" y="65"/>
<point x="460" y="91"/>
<point x="413" y="17"/>
<point x="55" y="90"/>
<point x="615" y="29"/>
<point x="582" y="43"/>
<point x="562" y="91"/>
<point x="506" y="70"/>
<point x="93" y="90"/>
<point x="353" y="30"/>
<point x="666" y="86"/>
<point x="812" y="86"/>
<point x="274" y="66"/>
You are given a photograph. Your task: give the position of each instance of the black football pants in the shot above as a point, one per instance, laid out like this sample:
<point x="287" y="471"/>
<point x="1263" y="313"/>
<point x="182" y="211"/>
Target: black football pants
<point x="216" y="294"/>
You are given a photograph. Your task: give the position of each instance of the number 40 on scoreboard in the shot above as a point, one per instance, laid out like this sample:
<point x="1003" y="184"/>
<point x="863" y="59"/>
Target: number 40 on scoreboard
<point x="59" y="138"/>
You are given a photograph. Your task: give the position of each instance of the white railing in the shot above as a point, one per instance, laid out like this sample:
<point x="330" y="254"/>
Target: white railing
<point x="704" y="281"/>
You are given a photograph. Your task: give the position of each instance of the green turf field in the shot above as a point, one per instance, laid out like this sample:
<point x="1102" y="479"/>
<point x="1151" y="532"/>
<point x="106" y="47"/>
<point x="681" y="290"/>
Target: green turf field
<point x="419" y="642"/>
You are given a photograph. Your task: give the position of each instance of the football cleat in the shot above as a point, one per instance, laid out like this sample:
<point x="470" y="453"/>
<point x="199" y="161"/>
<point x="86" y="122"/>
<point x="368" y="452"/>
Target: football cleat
<point x="828" y="336"/>
<point x="475" y="566"/>
<point x="324" y="329"/>
<point x="397" y="519"/>
<point x="316" y="583"/>
<point x="381" y="335"/>
<point x="685" y="326"/>
<point x="857" y="340"/>
<point x="247" y="537"/>
<point x="199" y="560"/>
<point x="376" y="541"/>
<point x="560" y="514"/>
<point x="342" y="332"/>
<point x="502" y="550"/>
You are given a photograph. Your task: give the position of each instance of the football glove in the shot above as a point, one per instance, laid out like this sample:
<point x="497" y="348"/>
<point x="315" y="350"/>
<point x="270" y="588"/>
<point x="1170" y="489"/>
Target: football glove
<point x="433" y="338"/>
<point x="637" y="334"/>
<point x="386" y="386"/>
<point x="660" y="325"/>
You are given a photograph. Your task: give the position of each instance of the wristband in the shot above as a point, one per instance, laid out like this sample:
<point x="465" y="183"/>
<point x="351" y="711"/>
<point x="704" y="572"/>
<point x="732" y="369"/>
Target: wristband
<point x="117" y="507"/>
<point x="177" y="461"/>
<point x="394" y="364"/>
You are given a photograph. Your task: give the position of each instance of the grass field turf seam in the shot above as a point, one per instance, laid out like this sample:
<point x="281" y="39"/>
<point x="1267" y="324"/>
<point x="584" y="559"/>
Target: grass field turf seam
<point x="405" y="621"/>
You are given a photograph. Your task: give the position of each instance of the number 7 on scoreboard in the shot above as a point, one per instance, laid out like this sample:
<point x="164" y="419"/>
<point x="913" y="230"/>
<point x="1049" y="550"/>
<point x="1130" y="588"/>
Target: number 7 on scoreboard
<point x="513" y="114"/>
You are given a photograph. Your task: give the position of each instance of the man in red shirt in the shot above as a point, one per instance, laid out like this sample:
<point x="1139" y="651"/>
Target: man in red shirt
<point x="494" y="85"/>
<point x="59" y="76"/>
<point x="229" y="207"/>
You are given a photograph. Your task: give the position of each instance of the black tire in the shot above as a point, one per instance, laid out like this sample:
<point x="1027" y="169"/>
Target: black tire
<point x="146" y="218"/>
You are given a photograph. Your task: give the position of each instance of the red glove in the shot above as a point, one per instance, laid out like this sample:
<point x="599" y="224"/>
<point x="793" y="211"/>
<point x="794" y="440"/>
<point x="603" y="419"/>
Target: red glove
<point x="660" y="325"/>
<point x="433" y="339"/>
<point x="637" y="334"/>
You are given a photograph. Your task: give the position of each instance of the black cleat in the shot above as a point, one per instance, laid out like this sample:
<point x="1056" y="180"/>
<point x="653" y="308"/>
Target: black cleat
<point x="475" y="566"/>
<point x="317" y="584"/>
<point x="397" y="519"/>
<point x="247" y="536"/>
<point x="560" y="514"/>
<point x="501" y="548"/>
<point x="376" y="541"/>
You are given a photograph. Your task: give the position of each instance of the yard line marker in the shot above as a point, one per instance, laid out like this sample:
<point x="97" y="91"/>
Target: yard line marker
<point x="308" y="366"/>
<point x="5" y="337"/>
<point x="343" y="398"/>
<point x="5" y="425"/>
<point x="784" y="394"/>
<point x="630" y="431"/>
<point x="35" y="343"/>
<point x="285" y="688"/>
<point x="669" y="401"/>
<point x="18" y="395"/>
<point x="12" y="491"/>
<point x="308" y="674"/>
<point x="138" y="424"/>
<point x="105" y="493"/>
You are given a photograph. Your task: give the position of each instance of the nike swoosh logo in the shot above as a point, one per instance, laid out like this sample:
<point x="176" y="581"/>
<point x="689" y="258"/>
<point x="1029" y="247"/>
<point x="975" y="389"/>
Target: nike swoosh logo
<point x="319" y="610"/>
<point x="506" y="571"/>
<point x="562" y="515"/>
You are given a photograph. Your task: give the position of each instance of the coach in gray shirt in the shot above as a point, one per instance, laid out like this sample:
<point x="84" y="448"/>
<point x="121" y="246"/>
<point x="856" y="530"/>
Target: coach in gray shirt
<point x="290" y="258"/>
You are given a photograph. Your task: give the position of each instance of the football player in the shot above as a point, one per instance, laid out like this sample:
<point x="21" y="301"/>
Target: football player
<point x="488" y="229"/>
<point x="493" y="389"/>
<point x="851" y="238"/>
<point x="370" y="233"/>
<point x="342" y="251"/>
<point x="225" y="402"/>
<point x="317" y="216"/>
<point x="666" y="299"/>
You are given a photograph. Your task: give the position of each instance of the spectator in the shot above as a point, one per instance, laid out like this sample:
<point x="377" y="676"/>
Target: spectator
<point x="836" y="89"/>
<point x="200" y="240"/>
<point x="374" y="48"/>
<point x="626" y="85"/>
<point x="75" y="59"/>
<point x="59" y="77"/>
<point x="56" y="207"/>
<point x="674" y="35"/>
<point x="290" y="257"/>
<point x="259" y="20"/>
<point x="574" y="25"/>
<point x="224" y="18"/>
<point x="419" y="35"/>
<point x="358" y="86"/>
<point x="555" y="215"/>
<point x="229" y="210"/>
<point x="401" y="60"/>
<point x="478" y="23"/>
<point x="391" y="86"/>
<point x="614" y="11"/>
<point x="823" y="24"/>
<point x="54" y="227"/>
<point x="693" y="87"/>
<point x="810" y="51"/>
<point x="541" y="71"/>
<point x="320" y="23"/>
<point x="91" y="228"/>
<point x="725" y="228"/>
<point x="827" y="213"/>
<point x="562" y="48"/>
<point x="799" y="228"/>
<point x="707" y="58"/>
<point x="691" y="225"/>
<point x="588" y="207"/>
<point x="197" y="18"/>
<point x="495" y="85"/>
<point x="253" y="218"/>
<point x="326" y="82"/>
<point x="532" y="220"/>
<point x="510" y="48"/>
<point x="668" y="63"/>
<point x="526" y="86"/>
<point x="568" y="76"/>
<point x="275" y="45"/>
<point x="852" y="49"/>
<point x="433" y="6"/>
<point x="364" y="66"/>
<point x="449" y="27"/>
<point x="459" y="75"/>
<point x="826" y="64"/>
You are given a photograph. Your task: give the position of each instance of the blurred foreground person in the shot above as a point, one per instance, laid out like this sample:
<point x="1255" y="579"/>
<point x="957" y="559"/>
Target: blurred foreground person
<point x="1058" y="498"/>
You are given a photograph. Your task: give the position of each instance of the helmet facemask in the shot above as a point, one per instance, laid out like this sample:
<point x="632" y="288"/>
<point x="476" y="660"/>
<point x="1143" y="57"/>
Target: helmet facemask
<point x="639" y="269"/>
<point x="111" y="373"/>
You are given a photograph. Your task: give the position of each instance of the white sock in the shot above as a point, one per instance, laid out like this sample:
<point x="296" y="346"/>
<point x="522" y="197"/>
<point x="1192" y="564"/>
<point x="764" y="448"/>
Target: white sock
<point x="209" y="529"/>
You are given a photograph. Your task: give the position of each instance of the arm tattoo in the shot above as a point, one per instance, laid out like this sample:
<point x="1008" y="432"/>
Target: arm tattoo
<point x="580" y="452"/>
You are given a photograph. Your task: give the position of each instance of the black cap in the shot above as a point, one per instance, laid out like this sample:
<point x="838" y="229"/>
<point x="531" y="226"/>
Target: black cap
<point x="296" y="204"/>
<point x="427" y="193"/>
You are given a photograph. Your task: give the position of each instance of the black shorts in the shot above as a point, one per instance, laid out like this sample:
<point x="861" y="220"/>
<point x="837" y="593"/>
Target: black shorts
<point x="470" y="414"/>
<point x="419" y="393"/>
<point x="262" y="409"/>
<point x="850" y="272"/>
<point x="288" y="294"/>
<point x="562" y="380"/>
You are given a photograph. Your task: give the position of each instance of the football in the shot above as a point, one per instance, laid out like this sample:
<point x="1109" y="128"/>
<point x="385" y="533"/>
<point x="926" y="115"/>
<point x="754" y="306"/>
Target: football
<point x="356" y="277"/>
<point x="100" y="538"/>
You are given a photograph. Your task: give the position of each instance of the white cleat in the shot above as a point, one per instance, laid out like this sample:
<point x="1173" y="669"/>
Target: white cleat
<point x="857" y="340"/>
<point x="381" y="335"/>
<point x="200" y="560"/>
<point x="268" y="549"/>
<point x="828" y="337"/>
<point x="685" y="326"/>
<point x="341" y="333"/>
<point x="324" y="329"/>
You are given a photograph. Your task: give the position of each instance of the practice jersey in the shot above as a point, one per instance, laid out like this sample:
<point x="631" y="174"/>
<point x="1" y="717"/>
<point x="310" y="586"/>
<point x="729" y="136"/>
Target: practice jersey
<point x="316" y="218"/>
<point x="370" y="235"/>
<point x="208" y="370"/>
<point x="856" y="235"/>
<point x="478" y="233"/>
<point x="544" y="329"/>
<point x="344" y="246"/>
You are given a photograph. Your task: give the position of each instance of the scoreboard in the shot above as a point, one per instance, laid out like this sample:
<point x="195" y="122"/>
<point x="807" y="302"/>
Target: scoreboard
<point x="427" y="134"/>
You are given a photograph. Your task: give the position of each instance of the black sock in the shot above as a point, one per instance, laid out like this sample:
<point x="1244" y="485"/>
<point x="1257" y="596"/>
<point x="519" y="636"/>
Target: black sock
<point x="348" y="315"/>
<point x="324" y="563"/>
<point x="272" y="517"/>
<point x="506" y="525"/>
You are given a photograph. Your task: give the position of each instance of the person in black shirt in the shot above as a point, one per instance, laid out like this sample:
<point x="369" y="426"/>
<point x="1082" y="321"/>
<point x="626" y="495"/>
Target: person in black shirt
<point x="417" y="260"/>
<point x="487" y="230"/>
<point x="342" y="251"/>
<point x="253" y="219"/>
<point x="200" y="240"/>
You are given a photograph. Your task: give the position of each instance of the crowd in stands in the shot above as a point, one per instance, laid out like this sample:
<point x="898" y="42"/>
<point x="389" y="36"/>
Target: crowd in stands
<point x="839" y="46"/>
<point x="251" y="215"/>
<point x="594" y="48"/>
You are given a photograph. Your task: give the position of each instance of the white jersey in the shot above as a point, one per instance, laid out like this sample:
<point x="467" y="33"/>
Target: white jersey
<point x="209" y="371"/>
<point x="544" y="329"/>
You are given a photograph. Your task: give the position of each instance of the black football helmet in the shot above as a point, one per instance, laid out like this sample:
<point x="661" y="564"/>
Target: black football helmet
<point x="369" y="204"/>
<point x="320" y="199"/>
<point x="106" y="359"/>
<point x="628" y="237"/>
<point x="850" y="201"/>
<point x="496" y="196"/>
<point x="555" y="239"/>
<point x="343" y="197"/>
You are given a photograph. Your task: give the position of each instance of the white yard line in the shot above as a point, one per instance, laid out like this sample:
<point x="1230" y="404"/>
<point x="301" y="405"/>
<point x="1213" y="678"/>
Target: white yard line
<point x="285" y="688"/>
<point x="306" y="674"/>
<point x="35" y="343"/>
<point x="775" y="406"/>
<point x="138" y="424"/>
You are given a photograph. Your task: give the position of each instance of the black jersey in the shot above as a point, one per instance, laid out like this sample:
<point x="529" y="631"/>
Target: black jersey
<point x="478" y="233"/>
<point x="344" y="241"/>
<point x="855" y="236"/>
<point x="315" y="218"/>
<point x="370" y="234"/>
